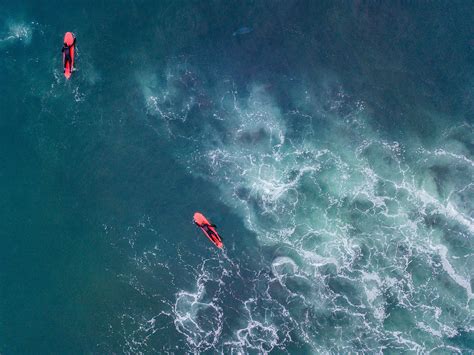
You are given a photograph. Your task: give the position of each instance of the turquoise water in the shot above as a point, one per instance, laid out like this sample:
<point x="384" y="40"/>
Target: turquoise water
<point x="332" y="144"/>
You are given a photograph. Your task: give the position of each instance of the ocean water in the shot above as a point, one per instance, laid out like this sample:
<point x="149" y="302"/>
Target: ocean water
<point x="331" y="142"/>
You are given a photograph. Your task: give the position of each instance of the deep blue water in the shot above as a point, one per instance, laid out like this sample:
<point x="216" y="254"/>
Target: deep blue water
<point x="331" y="142"/>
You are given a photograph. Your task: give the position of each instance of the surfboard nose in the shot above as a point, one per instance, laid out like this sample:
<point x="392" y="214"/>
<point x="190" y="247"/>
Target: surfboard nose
<point x="69" y="38"/>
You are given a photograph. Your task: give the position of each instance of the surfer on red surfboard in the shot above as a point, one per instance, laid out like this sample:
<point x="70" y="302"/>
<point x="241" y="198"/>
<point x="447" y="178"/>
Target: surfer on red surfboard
<point x="208" y="229"/>
<point x="68" y="53"/>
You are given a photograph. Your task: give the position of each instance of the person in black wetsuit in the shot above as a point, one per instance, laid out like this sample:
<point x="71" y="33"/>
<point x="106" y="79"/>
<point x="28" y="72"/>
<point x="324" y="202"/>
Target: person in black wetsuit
<point x="67" y="54"/>
<point x="209" y="231"/>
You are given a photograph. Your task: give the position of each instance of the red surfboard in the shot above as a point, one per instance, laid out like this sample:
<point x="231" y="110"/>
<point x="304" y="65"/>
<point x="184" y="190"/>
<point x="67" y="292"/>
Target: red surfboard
<point x="208" y="230"/>
<point x="69" y="40"/>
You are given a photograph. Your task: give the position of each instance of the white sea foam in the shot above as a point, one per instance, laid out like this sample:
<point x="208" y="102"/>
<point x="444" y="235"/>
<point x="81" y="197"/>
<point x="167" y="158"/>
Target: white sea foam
<point x="17" y="31"/>
<point x="461" y="281"/>
<point x="349" y="204"/>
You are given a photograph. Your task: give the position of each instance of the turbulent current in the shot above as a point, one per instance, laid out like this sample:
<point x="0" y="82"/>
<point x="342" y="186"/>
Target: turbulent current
<point x="332" y="145"/>
<point x="362" y="230"/>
